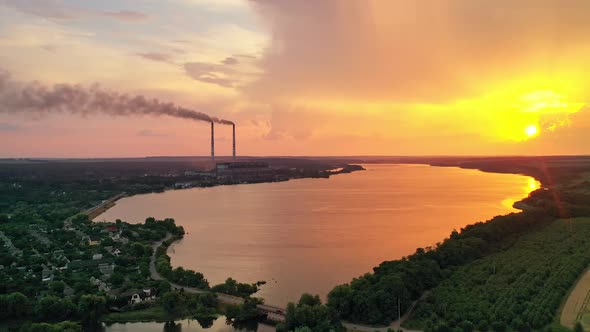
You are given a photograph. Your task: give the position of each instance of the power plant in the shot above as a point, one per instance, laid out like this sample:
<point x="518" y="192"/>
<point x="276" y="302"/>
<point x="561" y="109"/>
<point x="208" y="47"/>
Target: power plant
<point x="213" y="141"/>
<point x="234" y="140"/>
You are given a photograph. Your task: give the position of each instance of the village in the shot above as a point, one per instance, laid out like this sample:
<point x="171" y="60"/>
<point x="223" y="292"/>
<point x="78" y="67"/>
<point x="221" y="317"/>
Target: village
<point x="81" y="257"/>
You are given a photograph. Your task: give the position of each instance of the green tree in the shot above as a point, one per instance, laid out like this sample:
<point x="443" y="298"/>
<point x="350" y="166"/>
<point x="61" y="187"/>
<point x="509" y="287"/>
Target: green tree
<point x="340" y="299"/>
<point x="117" y="279"/>
<point x="578" y="327"/>
<point x="52" y="309"/>
<point x="18" y="305"/>
<point x="310" y="300"/>
<point x="57" y="287"/>
<point x="173" y="302"/>
<point x="91" y="307"/>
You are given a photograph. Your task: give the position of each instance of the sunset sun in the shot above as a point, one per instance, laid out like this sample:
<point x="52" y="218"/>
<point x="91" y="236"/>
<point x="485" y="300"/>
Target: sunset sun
<point x="531" y="130"/>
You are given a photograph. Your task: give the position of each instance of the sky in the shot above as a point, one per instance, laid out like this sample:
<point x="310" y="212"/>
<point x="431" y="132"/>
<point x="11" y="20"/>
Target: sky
<point x="330" y="77"/>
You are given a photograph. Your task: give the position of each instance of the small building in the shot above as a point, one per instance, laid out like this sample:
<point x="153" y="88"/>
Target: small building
<point x="46" y="275"/>
<point x="96" y="256"/>
<point x="102" y="286"/>
<point x="68" y="225"/>
<point x="142" y="295"/>
<point x="253" y="171"/>
<point x="90" y="263"/>
<point x="106" y="269"/>
<point x="112" y="229"/>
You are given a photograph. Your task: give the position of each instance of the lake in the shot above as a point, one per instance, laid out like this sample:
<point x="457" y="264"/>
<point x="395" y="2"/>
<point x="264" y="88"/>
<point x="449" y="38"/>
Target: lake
<point x="309" y="235"/>
<point x="207" y="325"/>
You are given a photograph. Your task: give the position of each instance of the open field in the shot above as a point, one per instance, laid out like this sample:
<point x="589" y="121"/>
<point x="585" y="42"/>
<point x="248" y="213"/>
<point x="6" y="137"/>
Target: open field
<point x="144" y="315"/>
<point x="575" y="307"/>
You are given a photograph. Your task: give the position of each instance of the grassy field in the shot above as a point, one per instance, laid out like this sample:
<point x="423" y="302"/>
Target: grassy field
<point x="517" y="289"/>
<point x="156" y="313"/>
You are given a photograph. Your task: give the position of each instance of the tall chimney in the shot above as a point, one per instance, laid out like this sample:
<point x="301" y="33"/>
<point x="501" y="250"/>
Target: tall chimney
<point x="234" y="140"/>
<point x="212" y="142"/>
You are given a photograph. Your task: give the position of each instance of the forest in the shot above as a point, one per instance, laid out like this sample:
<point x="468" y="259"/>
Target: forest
<point x="374" y="297"/>
<point x="518" y="289"/>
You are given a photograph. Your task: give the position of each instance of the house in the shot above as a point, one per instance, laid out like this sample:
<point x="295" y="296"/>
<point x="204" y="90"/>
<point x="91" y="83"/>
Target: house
<point x="90" y="263"/>
<point x="46" y="275"/>
<point x="58" y="254"/>
<point x="118" y="238"/>
<point x="112" y="229"/>
<point x="94" y="241"/>
<point x="106" y="268"/>
<point x="138" y="296"/>
<point x="68" y="225"/>
<point x="96" y="257"/>
<point x="113" y="251"/>
<point x="102" y="286"/>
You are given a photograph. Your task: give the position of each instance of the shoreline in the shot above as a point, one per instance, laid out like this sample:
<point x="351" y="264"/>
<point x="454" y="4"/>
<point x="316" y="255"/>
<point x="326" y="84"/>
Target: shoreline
<point x="111" y="202"/>
<point x="98" y="210"/>
<point x="352" y="326"/>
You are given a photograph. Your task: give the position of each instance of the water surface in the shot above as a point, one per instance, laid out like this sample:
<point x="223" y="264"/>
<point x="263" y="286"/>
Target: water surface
<point x="214" y="325"/>
<point x="309" y="235"/>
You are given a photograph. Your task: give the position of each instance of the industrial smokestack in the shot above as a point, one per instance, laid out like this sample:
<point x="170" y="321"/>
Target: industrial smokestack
<point x="212" y="141"/>
<point x="234" y="139"/>
<point x="36" y="97"/>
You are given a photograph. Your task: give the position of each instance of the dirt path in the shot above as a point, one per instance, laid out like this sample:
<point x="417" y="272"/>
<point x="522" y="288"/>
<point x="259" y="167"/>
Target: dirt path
<point x="273" y="313"/>
<point x="395" y="325"/>
<point x="577" y="302"/>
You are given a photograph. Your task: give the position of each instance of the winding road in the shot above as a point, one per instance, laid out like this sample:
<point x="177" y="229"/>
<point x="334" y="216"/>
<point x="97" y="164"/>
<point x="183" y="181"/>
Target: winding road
<point x="273" y="313"/>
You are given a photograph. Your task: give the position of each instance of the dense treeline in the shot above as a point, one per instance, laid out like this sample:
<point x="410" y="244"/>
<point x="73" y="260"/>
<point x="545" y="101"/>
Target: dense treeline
<point x="309" y="314"/>
<point x="519" y="289"/>
<point x="179" y="275"/>
<point x="49" y="308"/>
<point x="183" y="304"/>
<point x="374" y="297"/>
<point x="58" y="327"/>
<point x="232" y="287"/>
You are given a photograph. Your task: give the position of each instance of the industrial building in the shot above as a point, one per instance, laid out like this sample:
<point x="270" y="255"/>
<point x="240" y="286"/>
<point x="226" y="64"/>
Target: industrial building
<point x="245" y="171"/>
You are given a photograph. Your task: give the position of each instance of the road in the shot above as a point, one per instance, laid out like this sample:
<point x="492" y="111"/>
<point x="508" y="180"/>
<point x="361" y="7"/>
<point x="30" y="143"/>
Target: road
<point x="394" y="326"/>
<point x="273" y="313"/>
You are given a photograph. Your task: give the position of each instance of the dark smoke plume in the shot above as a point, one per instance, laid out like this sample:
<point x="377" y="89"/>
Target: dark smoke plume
<point x="36" y="97"/>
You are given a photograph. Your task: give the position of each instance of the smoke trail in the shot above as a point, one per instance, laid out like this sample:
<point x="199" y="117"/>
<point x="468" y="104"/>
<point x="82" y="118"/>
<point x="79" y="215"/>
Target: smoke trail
<point x="77" y="99"/>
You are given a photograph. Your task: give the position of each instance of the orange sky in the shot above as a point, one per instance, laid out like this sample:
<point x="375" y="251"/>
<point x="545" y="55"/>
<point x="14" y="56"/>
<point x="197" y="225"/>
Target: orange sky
<point x="329" y="77"/>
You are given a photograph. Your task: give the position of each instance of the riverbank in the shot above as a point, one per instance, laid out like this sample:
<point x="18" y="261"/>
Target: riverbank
<point x="273" y="313"/>
<point x="544" y="200"/>
<point x="96" y="211"/>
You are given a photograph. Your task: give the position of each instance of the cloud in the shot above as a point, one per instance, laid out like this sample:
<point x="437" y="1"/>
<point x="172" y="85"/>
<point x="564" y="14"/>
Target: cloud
<point x="229" y="73"/>
<point x="230" y="61"/>
<point x="288" y="122"/>
<point x="417" y="51"/>
<point x="8" y="127"/>
<point x="126" y="15"/>
<point x="49" y="48"/>
<point x="58" y="10"/>
<point x="53" y="9"/>
<point x="155" y="56"/>
<point x="150" y="133"/>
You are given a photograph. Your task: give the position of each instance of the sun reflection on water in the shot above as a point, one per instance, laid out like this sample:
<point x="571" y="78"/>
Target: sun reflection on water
<point x="530" y="186"/>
